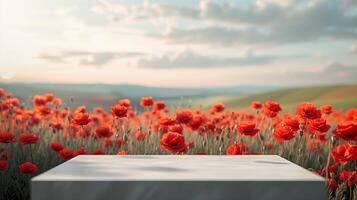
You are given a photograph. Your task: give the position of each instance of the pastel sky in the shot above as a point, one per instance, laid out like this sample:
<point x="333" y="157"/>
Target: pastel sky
<point x="179" y="43"/>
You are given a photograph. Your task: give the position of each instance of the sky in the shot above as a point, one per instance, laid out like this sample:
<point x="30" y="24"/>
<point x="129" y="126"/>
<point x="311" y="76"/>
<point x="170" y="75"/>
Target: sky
<point x="179" y="43"/>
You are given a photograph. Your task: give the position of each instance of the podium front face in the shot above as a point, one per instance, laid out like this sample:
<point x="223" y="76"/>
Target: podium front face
<point x="248" y="177"/>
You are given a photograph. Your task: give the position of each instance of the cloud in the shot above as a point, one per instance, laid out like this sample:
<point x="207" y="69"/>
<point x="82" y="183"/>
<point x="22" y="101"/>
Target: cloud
<point x="144" y="11"/>
<point x="87" y="58"/>
<point x="333" y="72"/>
<point x="217" y="36"/>
<point x="265" y="22"/>
<point x="281" y="3"/>
<point x="340" y="70"/>
<point x="189" y="59"/>
<point x="258" y="13"/>
<point x="51" y="58"/>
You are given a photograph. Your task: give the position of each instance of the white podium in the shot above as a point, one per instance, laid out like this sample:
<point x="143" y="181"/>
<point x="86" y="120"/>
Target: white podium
<point x="263" y="177"/>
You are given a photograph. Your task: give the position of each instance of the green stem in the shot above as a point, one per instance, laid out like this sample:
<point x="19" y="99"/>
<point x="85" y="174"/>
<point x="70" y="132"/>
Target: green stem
<point x="328" y="159"/>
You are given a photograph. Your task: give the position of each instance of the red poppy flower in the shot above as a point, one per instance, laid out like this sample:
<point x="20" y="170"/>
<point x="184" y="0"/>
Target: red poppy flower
<point x="351" y="115"/>
<point x="146" y="102"/>
<point x="44" y="111"/>
<point x="39" y="100"/>
<point x="3" y="165"/>
<point x="344" y="153"/>
<point x="28" y="168"/>
<point x="326" y="109"/>
<point x="98" y="110"/>
<point x="283" y="133"/>
<point x="140" y="135"/>
<point x="348" y="177"/>
<point x="346" y="131"/>
<point x="269" y="113"/>
<point x="237" y="149"/>
<point x="331" y="182"/>
<point x="124" y="102"/>
<point x="56" y="146"/>
<point x="6" y="137"/>
<point x="57" y="101"/>
<point x="210" y="126"/>
<point x="272" y="106"/>
<point x="217" y="108"/>
<point x="81" y="119"/>
<point x="119" y="111"/>
<point x="173" y="142"/>
<point x="5" y="105"/>
<point x="14" y="101"/>
<point x="176" y="128"/>
<point x="83" y="132"/>
<point x="166" y="121"/>
<point x="159" y="105"/>
<point x="81" y="109"/>
<point x="291" y="121"/>
<point x="247" y="128"/>
<point x="119" y="142"/>
<point x="57" y="125"/>
<point x="189" y="145"/>
<point x="122" y="153"/>
<point x="198" y="120"/>
<point x="183" y="116"/>
<point x="318" y="125"/>
<point x="256" y="105"/>
<point x="80" y="151"/>
<point x="103" y="131"/>
<point x="331" y="169"/>
<point x="28" y="138"/>
<point x="98" y="152"/>
<point x="2" y="92"/>
<point x="66" y="154"/>
<point x="64" y="114"/>
<point x="307" y="111"/>
<point x="49" y="97"/>
<point x="155" y="127"/>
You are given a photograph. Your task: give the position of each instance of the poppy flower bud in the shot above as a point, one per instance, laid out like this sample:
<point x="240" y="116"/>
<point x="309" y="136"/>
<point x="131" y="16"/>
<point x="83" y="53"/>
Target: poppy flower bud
<point x="204" y="144"/>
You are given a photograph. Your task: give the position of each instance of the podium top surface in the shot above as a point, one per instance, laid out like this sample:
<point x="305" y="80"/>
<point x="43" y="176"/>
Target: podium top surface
<point x="178" y="168"/>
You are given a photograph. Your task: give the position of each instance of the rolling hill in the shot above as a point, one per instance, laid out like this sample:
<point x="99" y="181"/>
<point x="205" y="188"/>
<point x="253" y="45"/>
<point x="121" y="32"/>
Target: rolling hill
<point x="235" y="97"/>
<point x="107" y="94"/>
<point x="340" y="97"/>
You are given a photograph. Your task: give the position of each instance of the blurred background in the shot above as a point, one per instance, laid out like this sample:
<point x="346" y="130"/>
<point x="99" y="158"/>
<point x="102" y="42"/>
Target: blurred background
<point x="189" y="53"/>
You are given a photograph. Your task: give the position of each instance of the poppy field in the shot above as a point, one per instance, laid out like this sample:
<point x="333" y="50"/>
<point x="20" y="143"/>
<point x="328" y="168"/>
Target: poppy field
<point x="37" y="137"/>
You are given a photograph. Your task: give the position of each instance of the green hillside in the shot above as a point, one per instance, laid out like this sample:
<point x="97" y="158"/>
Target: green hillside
<point x="238" y="97"/>
<point x="341" y="97"/>
<point x="106" y="95"/>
